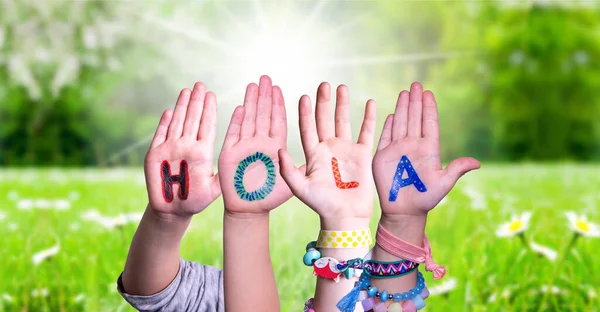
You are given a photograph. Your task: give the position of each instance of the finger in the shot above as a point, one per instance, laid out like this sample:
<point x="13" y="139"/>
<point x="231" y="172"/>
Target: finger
<point x="194" y="111"/>
<point x="234" y="130"/>
<point x="342" y="114"/>
<point x="457" y="168"/>
<point x="308" y="131"/>
<point x="400" y="123"/>
<point x="208" y="124"/>
<point x="176" y="126"/>
<point x="249" y="123"/>
<point x="415" y="110"/>
<point x="161" y="130"/>
<point x="431" y="124"/>
<point x="265" y="106"/>
<point x="293" y="176"/>
<point x="386" y="133"/>
<point x="278" y="117"/>
<point x="324" y="128"/>
<point x="367" y="131"/>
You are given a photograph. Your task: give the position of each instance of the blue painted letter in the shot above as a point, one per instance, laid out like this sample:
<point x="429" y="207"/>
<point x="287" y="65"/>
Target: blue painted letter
<point x="266" y="189"/>
<point x="413" y="178"/>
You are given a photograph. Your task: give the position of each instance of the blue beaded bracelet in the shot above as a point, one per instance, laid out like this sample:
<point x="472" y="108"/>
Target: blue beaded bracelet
<point x="413" y="298"/>
<point x="372" y="291"/>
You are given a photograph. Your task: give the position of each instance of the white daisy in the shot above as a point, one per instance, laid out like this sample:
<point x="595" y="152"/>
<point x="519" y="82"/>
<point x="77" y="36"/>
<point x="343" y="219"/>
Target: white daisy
<point x="553" y="289"/>
<point x="42" y="204"/>
<point x="492" y="298"/>
<point x="62" y="204"/>
<point x="2" y="216"/>
<point x="445" y="287"/>
<point x="592" y="293"/>
<point x="74" y="226"/>
<point x="40" y="256"/>
<point x="547" y="252"/>
<point x="79" y="298"/>
<point x="13" y="195"/>
<point x="517" y="225"/>
<point x="580" y="224"/>
<point x="119" y="220"/>
<point x="74" y="195"/>
<point x="25" y="204"/>
<point x="134" y="216"/>
<point x="12" y="226"/>
<point x="91" y="215"/>
<point x="478" y="200"/>
<point x="39" y="292"/>
<point x="8" y="298"/>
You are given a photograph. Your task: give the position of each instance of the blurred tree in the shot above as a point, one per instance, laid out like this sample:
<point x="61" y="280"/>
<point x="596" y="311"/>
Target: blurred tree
<point x="544" y="80"/>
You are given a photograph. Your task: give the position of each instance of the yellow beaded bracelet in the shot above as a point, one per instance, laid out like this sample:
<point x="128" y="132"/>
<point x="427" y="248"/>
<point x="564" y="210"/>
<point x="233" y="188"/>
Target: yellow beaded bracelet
<point x="344" y="239"/>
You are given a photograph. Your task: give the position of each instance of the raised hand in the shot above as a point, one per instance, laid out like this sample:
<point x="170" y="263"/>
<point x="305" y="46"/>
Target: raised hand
<point x="179" y="165"/>
<point x="338" y="184"/>
<point x="249" y="164"/>
<point x="407" y="168"/>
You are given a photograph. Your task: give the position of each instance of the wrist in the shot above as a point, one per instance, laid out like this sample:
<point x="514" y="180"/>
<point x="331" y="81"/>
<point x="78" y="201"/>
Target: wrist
<point x="245" y="216"/>
<point x="410" y="228"/>
<point x="167" y="220"/>
<point x="344" y="224"/>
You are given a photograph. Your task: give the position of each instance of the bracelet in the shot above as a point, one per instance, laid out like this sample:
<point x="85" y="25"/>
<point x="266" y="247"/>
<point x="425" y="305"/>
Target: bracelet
<point x="404" y="250"/>
<point x="327" y="267"/>
<point x="344" y="239"/>
<point x="380" y="269"/>
<point x="408" y="301"/>
<point x="308" y="305"/>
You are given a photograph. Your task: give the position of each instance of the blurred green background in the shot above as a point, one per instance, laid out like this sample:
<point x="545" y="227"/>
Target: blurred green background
<point x="83" y="84"/>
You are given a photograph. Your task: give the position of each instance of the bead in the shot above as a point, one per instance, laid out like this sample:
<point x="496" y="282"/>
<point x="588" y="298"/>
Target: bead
<point x="394" y="307"/>
<point x="362" y="295"/>
<point x="409" y="306"/>
<point x="380" y="307"/>
<point x="349" y="273"/>
<point x="311" y="245"/>
<point x="425" y="293"/>
<point x="384" y="296"/>
<point x="368" y="304"/>
<point x="419" y="302"/>
<point x="311" y="256"/>
<point x="372" y="291"/>
<point x="397" y="297"/>
<point x="364" y="284"/>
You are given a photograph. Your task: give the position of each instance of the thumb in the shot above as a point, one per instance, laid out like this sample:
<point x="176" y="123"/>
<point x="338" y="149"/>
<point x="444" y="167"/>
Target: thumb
<point x="457" y="168"/>
<point x="215" y="186"/>
<point x="292" y="175"/>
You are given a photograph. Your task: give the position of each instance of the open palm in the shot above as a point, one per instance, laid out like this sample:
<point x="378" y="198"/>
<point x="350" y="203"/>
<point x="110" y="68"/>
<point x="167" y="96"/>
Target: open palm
<point x="185" y="136"/>
<point x="338" y="181"/>
<point x="249" y="164"/>
<point x="413" y="131"/>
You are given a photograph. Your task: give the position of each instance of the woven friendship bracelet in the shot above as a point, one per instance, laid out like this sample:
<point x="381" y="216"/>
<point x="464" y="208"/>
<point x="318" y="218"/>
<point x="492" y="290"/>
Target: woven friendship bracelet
<point x="344" y="239"/>
<point x="401" y="249"/>
<point x="379" y="269"/>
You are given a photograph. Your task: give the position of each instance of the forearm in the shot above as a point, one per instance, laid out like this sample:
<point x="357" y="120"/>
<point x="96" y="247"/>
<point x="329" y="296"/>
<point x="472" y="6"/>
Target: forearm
<point x="248" y="272"/>
<point x="410" y="229"/>
<point x="153" y="260"/>
<point x="328" y="292"/>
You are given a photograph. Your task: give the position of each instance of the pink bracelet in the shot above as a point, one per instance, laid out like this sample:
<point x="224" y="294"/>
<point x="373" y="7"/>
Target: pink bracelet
<point x="404" y="250"/>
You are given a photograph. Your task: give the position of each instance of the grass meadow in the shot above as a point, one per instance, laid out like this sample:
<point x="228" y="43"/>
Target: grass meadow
<point x="90" y="214"/>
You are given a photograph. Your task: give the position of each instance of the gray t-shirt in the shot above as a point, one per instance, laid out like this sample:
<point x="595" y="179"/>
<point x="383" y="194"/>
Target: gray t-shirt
<point x="195" y="288"/>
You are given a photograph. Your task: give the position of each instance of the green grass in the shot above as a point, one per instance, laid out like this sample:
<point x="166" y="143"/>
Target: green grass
<point x="91" y="257"/>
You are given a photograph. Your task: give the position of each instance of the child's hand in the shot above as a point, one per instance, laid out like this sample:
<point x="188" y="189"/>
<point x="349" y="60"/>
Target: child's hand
<point x="184" y="138"/>
<point x="413" y="185"/>
<point x="338" y="184"/>
<point x="248" y="164"/>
